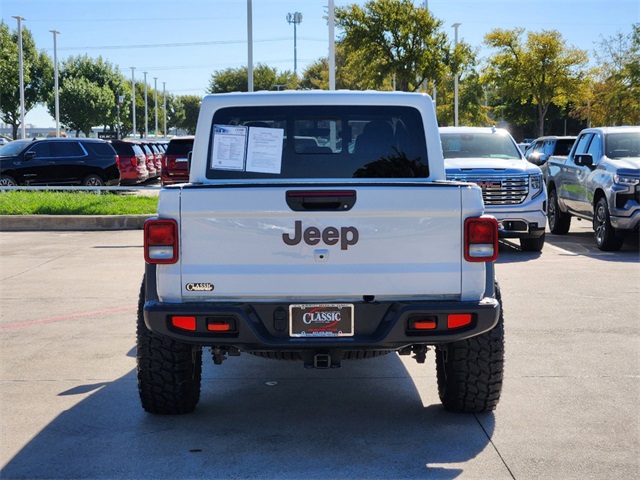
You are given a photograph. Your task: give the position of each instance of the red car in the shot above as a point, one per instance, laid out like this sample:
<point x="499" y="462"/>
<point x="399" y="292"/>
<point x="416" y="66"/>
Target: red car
<point x="151" y="160"/>
<point x="175" y="167"/>
<point x="133" y="164"/>
<point x="159" y="153"/>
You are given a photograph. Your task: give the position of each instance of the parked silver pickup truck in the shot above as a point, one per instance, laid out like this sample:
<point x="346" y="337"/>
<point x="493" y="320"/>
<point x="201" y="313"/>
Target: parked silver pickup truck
<point x="599" y="181"/>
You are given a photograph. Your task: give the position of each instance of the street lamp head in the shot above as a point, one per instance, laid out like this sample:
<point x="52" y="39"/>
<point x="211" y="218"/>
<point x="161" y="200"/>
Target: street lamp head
<point x="456" y="25"/>
<point x="295" y="18"/>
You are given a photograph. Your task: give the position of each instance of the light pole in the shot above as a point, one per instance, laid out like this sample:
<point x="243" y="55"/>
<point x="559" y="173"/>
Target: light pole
<point x="55" y="76"/>
<point x="21" y="76"/>
<point x="119" y="128"/>
<point x="250" y="46"/>
<point x="155" y="92"/>
<point x="133" y="100"/>
<point x="455" y="85"/>
<point x="296" y="19"/>
<point x="146" y="115"/>
<point x="332" y="47"/>
<point x="164" y="108"/>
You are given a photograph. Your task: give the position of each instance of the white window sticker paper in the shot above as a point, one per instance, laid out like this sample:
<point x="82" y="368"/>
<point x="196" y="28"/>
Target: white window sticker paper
<point x="264" y="150"/>
<point x="229" y="142"/>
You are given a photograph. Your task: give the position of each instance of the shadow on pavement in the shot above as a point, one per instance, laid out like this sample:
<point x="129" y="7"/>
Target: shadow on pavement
<point x="583" y="243"/>
<point x="572" y="244"/>
<point x="261" y="418"/>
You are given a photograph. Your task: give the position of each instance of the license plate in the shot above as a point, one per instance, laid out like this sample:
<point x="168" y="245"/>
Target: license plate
<point x="321" y="320"/>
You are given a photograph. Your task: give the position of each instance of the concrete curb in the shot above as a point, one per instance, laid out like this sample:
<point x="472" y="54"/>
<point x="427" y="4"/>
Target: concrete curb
<point x="26" y="223"/>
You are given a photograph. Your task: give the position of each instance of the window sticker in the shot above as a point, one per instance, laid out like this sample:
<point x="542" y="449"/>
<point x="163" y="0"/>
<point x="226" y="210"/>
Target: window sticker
<point x="229" y="147"/>
<point x="264" y="150"/>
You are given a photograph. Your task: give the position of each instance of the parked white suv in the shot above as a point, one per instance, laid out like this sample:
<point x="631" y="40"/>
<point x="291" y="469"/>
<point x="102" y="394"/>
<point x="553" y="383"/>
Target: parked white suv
<point x="512" y="188"/>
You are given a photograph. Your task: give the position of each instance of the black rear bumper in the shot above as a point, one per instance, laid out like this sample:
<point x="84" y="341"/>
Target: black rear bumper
<point x="265" y="326"/>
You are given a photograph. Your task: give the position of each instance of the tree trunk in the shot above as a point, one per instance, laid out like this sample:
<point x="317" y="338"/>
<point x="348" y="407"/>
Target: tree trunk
<point x="540" y="121"/>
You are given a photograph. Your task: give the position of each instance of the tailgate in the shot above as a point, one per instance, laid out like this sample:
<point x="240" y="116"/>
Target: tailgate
<point x="396" y="241"/>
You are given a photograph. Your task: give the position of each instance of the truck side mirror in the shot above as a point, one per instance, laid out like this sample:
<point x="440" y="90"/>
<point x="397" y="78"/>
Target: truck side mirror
<point x="29" y="155"/>
<point x="584" y="160"/>
<point x="189" y="161"/>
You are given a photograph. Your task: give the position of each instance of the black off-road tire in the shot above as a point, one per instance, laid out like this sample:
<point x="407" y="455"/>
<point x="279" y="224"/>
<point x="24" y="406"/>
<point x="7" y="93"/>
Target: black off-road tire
<point x="604" y="233"/>
<point x="559" y="222"/>
<point x="532" y="244"/>
<point x="470" y="371"/>
<point x="169" y="372"/>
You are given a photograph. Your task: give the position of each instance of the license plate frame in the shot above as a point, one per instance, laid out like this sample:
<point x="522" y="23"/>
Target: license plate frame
<point x="321" y="320"/>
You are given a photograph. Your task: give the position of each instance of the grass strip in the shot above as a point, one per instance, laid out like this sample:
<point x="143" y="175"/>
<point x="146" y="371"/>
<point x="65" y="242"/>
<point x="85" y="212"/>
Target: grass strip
<point x="75" y="203"/>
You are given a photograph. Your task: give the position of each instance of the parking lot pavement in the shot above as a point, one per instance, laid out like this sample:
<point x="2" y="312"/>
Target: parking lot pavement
<point x="69" y="406"/>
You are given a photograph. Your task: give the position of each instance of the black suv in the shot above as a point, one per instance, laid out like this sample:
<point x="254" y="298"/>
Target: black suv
<point x="59" y="161"/>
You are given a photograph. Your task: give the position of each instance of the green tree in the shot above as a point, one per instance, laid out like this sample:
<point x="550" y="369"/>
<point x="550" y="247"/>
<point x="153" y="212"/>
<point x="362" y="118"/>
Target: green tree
<point x="37" y="70"/>
<point x="175" y="111"/>
<point x="472" y="110"/>
<point x="83" y="104"/>
<point x="611" y="97"/>
<point x="316" y="75"/>
<point x="264" y="78"/>
<point x="100" y="74"/>
<point x="392" y="37"/>
<point x="540" y="71"/>
<point x="191" y="107"/>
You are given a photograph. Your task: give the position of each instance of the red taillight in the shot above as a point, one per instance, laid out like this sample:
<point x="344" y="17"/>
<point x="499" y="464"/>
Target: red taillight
<point x="480" y="239"/>
<point x="184" y="323"/>
<point x="161" y="241"/>
<point x="118" y="161"/>
<point x="457" y="320"/>
<point x="134" y="161"/>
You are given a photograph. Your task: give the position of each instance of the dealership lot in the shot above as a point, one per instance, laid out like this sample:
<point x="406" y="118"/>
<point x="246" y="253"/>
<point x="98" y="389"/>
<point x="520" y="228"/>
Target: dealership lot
<point x="70" y="409"/>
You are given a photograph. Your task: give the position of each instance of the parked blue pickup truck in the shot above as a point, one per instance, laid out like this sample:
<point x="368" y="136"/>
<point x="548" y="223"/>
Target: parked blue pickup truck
<point x="599" y="181"/>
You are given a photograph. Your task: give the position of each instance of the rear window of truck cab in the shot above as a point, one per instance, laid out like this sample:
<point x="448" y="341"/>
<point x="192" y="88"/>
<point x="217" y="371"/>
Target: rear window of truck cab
<point x="317" y="142"/>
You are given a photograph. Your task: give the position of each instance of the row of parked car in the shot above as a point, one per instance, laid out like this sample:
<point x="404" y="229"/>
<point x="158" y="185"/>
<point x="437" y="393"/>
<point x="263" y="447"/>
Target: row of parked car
<point x="93" y="162"/>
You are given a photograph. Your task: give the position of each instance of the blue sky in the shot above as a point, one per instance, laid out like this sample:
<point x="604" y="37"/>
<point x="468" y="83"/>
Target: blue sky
<point x="182" y="42"/>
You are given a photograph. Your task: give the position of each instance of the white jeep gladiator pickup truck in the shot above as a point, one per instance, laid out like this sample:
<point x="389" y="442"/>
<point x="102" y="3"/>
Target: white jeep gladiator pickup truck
<point x="319" y="227"/>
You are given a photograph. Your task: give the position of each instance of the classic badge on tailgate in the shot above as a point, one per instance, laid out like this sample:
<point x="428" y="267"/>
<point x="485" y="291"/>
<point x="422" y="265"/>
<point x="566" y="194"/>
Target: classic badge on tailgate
<point x="199" y="287"/>
<point x="321" y="320"/>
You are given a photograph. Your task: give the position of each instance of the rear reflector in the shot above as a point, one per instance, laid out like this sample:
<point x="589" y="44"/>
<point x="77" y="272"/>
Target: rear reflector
<point x="424" y="324"/>
<point x="161" y="241"/>
<point x="218" y="327"/>
<point x="184" y="323"/>
<point x="480" y="239"/>
<point x="459" y="320"/>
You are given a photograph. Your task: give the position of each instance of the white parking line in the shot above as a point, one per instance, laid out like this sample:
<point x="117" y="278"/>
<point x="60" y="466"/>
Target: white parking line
<point x="561" y="250"/>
